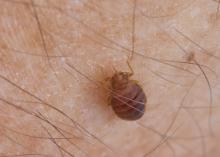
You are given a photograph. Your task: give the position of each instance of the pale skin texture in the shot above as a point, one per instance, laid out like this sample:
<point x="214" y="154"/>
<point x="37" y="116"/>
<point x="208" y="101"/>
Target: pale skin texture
<point x="49" y="109"/>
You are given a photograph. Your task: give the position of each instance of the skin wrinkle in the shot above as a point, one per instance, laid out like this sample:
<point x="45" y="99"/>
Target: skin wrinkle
<point x="182" y="93"/>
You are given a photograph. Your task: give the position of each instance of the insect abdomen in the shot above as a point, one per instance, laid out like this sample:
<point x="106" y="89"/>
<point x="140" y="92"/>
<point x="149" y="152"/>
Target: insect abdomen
<point x="129" y="102"/>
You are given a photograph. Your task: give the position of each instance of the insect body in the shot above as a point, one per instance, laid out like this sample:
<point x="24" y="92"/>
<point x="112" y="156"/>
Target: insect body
<point x="127" y="97"/>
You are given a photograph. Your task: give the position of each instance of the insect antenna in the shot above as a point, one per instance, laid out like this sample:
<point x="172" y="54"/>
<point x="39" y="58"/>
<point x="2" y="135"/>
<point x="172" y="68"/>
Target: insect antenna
<point x="133" y="38"/>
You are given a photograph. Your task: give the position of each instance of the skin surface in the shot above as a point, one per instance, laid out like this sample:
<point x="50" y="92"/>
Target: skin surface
<point x="55" y="58"/>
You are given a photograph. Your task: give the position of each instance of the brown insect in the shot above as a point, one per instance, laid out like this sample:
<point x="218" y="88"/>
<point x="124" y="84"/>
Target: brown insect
<point x="127" y="97"/>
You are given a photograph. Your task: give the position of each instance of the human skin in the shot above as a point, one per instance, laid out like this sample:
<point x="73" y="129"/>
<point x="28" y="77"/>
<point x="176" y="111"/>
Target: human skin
<point x="56" y="56"/>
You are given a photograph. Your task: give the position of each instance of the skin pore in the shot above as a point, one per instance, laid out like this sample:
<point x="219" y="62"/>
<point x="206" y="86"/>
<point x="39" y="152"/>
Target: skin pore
<point x="56" y="56"/>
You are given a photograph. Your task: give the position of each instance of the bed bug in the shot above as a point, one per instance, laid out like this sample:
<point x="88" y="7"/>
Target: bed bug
<point x="127" y="97"/>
